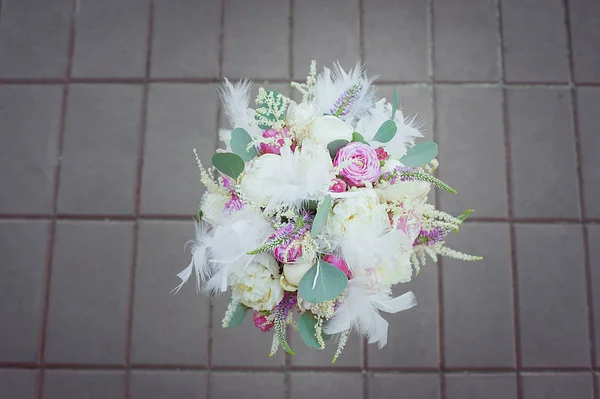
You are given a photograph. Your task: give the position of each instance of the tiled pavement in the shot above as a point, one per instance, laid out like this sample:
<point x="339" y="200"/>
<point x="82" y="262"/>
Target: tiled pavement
<point x="101" y="103"/>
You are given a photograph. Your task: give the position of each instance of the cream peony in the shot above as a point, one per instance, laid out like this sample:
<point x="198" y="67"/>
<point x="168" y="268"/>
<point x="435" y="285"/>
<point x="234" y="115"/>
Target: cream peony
<point x="329" y="128"/>
<point x="394" y="274"/>
<point x="212" y="207"/>
<point x="301" y="117"/>
<point x="352" y="216"/>
<point x="262" y="178"/>
<point x="258" y="285"/>
<point x="294" y="272"/>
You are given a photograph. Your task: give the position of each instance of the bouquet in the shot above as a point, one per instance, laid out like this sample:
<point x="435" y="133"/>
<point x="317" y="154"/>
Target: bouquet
<point x="314" y="210"/>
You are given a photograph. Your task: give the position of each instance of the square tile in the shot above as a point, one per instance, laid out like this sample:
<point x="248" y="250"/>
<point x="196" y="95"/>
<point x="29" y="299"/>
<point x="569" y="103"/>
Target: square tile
<point x="59" y="384"/>
<point x="395" y="39"/>
<point x="588" y="120"/>
<point x="34" y="38"/>
<point x="167" y="384"/>
<point x="23" y="247"/>
<point x="18" y="384"/>
<point x="534" y="52"/>
<point x="111" y="39"/>
<point x="481" y="386"/>
<point x="327" y="36"/>
<point x="585" y="35"/>
<point x="176" y="49"/>
<point x="89" y="293"/>
<point x="478" y="315"/>
<point x="100" y="150"/>
<point x="465" y="40"/>
<point x="412" y="334"/>
<point x="167" y="329"/>
<point x="328" y="385"/>
<point x="247" y="385"/>
<point x="593" y="242"/>
<point x="542" y="147"/>
<point x="256" y="39"/>
<point x="404" y="386"/>
<point x="472" y="152"/>
<point x="29" y="122"/>
<point x="181" y="117"/>
<point x="310" y="357"/>
<point x="552" y="300"/>
<point x="557" y="386"/>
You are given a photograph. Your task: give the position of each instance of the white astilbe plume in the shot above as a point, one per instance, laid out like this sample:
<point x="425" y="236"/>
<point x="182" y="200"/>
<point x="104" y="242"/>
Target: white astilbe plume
<point x="236" y="104"/>
<point x="201" y="263"/>
<point x="360" y="310"/>
<point x="331" y="86"/>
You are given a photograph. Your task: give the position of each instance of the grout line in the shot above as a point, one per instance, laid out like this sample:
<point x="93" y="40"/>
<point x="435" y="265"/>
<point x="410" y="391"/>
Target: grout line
<point x="55" y="190"/>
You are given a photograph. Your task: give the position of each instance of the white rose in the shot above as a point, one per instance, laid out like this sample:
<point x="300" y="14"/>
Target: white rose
<point x="294" y="272"/>
<point x="352" y="215"/>
<point x="258" y="285"/>
<point x="262" y="178"/>
<point x="329" y="128"/>
<point x="212" y="207"/>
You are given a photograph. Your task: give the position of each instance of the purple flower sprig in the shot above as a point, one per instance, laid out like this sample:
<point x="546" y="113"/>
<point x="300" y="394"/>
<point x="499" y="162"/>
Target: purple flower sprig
<point x="280" y="314"/>
<point x="344" y="104"/>
<point x="430" y="237"/>
<point x="398" y="174"/>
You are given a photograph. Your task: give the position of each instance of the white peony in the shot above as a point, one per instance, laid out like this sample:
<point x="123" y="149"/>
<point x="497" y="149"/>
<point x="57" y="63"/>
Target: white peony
<point x="212" y="207"/>
<point x="329" y="128"/>
<point x="294" y="272"/>
<point x="399" y="273"/>
<point x="258" y="286"/>
<point x="301" y="116"/>
<point x="262" y="178"/>
<point x="351" y="216"/>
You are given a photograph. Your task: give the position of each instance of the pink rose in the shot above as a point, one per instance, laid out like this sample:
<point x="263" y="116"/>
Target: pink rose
<point x="275" y="148"/>
<point x="288" y="252"/>
<point x="261" y="322"/>
<point x="338" y="186"/>
<point x="364" y="167"/>
<point x="339" y="263"/>
<point x="235" y="204"/>
<point x="381" y="154"/>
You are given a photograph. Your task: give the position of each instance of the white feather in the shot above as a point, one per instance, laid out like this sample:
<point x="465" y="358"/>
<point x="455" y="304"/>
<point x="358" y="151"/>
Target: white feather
<point x="236" y="104"/>
<point x="201" y="263"/>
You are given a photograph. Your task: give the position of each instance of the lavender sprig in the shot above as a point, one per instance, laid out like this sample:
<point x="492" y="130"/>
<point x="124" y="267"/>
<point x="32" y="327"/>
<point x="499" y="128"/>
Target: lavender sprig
<point x="404" y="173"/>
<point x="344" y="104"/>
<point x="430" y="237"/>
<point x="281" y="312"/>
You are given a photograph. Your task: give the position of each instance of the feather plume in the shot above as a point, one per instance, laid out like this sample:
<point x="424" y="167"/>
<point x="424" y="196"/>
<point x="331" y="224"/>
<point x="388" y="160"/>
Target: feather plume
<point x="236" y="104"/>
<point x="201" y="263"/>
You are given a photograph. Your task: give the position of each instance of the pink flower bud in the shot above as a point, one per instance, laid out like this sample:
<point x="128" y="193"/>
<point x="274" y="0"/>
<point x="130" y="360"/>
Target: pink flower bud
<point x="288" y="252"/>
<point x="339" y="263"/>
<point x="381" y="154"/>
<point x="261" y="322"/>
<point x="274" y="148"/>
<point x="338" y="186"/>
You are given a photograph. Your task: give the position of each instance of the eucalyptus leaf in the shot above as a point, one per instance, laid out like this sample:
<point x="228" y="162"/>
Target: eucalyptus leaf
<point x="322" y="282"/>
<point x="420" y="154"/>
<point x="335" y="145"/>
<point x="359" y="138"/>
<point x="394" y="104"/>
<point x="306" y="326"/>
<point x="321" y="216"/>
<point x="465" y="215"/>
<point x="227" y="163"/>
<point x="240" y="139"/>
<point x="386" y="132"/>
<point x="238" y="317"/>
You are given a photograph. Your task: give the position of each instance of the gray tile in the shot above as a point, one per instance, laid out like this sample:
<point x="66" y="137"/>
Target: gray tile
<point x="111" y="39"/>
<point x="89" y="293"/>
<point x="328" y="385"/>
<point x="557" y="386"/>
<point x="185" y="38"/>
<point x="588" y="120"/>
<point x="247" y="385"/>
<point x="395" y="39"/>
<point x="593" y="240"/>
<point x="310" y="357"/>
<point x="465" y="40"/>
<point x="29" y="122"/>
<point x="180" y="118"/>
<point x="404" y="386"/>
<point x="552" y="300"/>
<point x="534" y="52"/>
<point x="412" y="334"/>
<point x="542" y="149"/>
<point x="167" y="384"/>
<point x="244" y="345"/>
<point x="167" y="329"/>
<point x="416" y="104"/>
<point x="100" y="150"/>
<point x="585" y="35"/>
<point x="327" y="36"/>
<point x="472" y="152"/>
<point x="481" y="386"/>
<point x="479" y="332"/>
<point x="59" y="384"/>
<point x="256" y="39"/>
<point x="18" y="384"/>
<point x="23" y="247"/>
<point x="34" y="38"/>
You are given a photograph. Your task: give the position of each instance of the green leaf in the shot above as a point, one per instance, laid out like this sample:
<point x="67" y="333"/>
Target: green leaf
<point x="238" y="317"/>
<point x="322" y="282"/>
<point x="386" y="132"/>
<point x="306" y="326"/>
<point x="358" y="137"/>
<point x="465" y="215"/>
<point x="394" y="104"/>
<point x="335" y="145"/>
<point x="227" y="163"/>
<point x="239" y="144"/>
<point x="321" y="216"/>
<point x="420" y="154"/>
<point x="199" y="215"/>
